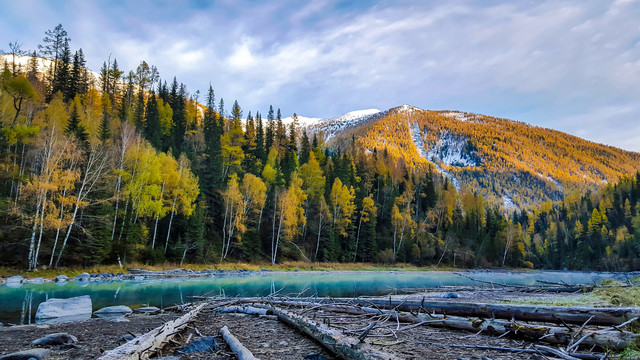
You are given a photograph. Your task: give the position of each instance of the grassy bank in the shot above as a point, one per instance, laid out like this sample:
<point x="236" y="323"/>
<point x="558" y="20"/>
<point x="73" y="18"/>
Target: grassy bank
<point x="286" y="266"/>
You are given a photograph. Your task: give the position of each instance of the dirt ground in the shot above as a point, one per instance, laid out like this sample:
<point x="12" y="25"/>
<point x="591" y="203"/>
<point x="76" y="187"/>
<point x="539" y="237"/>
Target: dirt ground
<point x="268" y="338"/>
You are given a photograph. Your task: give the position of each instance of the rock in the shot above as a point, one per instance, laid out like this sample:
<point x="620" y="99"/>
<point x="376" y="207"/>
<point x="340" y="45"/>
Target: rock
<point x="264" y="345"/>
<point x="68" y="347"/>
<point x="83" y="277"/>
<point x="55" y="339"/>
<point x="168" y="358"/>
<point x="1" y="325"/>
<point x="148" y="310"/>
<point x="119" y="310"/>
<point x="37" y="280"/>
<point x="283" y="343"/>
<point x="62" y="278"/>
<point x="31" y="354"/>
<point x="314" y="356"/>
<point x="450" y="296"/>
<point x="61" y="310"/>
<point x="125" y="338"/>
<point x="205" y="344"/>
<point x="15" y="280"/>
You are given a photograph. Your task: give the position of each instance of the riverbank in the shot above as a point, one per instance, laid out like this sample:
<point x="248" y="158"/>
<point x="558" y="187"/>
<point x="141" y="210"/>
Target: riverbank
<point x="285" y="266"/>
<point x="374" y="328"/>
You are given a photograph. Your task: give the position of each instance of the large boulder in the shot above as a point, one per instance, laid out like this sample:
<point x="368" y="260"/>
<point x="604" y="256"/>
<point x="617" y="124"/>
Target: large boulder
<point x="55" y="339"/>
<point x="62" y="310"/>
<point x="31" y="354"/>
<point x="149" y="310"/>
<point x="62" y="278"/>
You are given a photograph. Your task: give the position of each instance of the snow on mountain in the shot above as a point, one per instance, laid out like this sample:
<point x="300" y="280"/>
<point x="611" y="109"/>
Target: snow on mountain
<point x="302" y="120"/>
<point x="331" y="126"/>
<point x="453" y="150"/>
<point x="416" y="135"/>
<point x="22" y="62"/>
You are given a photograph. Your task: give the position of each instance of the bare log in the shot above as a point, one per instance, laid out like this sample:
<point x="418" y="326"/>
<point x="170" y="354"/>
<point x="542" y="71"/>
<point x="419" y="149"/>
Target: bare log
<point x="344" y="347"/>
<point x="144" y="345"/>
<point x="243" y="309"/>
<point x="550" y="314"/>
<point x="236" y="346"/>
<point x="606" y="338"/>
<point x="541" y="350"/>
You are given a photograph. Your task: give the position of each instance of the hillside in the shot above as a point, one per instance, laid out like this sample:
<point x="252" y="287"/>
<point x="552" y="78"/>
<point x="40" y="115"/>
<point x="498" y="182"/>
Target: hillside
<point x="509" y="162"/>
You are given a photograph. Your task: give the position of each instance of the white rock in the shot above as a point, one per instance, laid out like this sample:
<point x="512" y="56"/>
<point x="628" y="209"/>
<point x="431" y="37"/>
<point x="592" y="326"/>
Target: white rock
<point x="75" y="308"/>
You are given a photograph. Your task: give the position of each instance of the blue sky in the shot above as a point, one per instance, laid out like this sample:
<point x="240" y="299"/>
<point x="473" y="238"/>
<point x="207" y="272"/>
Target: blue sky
<point x="568" y="65"/>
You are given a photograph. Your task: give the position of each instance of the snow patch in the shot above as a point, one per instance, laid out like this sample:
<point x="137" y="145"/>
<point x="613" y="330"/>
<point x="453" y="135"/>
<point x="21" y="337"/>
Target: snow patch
<point x="454" y="150"/>
<point x="331" y="127"/>
<point x="302" y="120"/>
<point x="416" y="135"/>
<point x="552" y="180"/>
<point x="508" y="202"/>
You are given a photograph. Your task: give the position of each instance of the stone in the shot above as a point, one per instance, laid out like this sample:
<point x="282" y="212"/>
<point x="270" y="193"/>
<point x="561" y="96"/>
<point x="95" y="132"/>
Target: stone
<point x="125" y="338"/>
<point x="37" y="280"/>
<point x="167" y="358"/>
<point x="264" y="345"/>
<point x="15" y="280"/>
<point x="148" y="310"/>
<point x="450" y="296"/>
<point x="61" y="310"/>
<point x="83" y="277"/>
<point x="62" y="278"/>
<point x="55" y="339"/>
<point x="205" y="344"/>
<point x="31" y="354"/>
<point x="119" y="310"/>
<point x="314" y="356"/>
<point x="283" y="343"/>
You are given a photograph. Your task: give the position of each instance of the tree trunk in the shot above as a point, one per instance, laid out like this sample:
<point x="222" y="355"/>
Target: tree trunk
<point x="236" y="346"/>
<point x="32" y="242"/>
<point x="173" y="208"/>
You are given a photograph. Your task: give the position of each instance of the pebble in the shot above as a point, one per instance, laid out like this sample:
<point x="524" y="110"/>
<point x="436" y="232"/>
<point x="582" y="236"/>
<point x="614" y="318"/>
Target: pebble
<point x="283" y="343"/>
<point x="450" y="296"/>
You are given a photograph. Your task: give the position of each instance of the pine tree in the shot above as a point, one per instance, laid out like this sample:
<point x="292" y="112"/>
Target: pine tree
<point x="153" y="128"/>
<point x="260" y="154"/>
<point x="138" y="115"/>
<point x="270" y="133"/>
<point x="77" y="130"/>
<point x="305" y="147"/>
<point x="61" y="77"/>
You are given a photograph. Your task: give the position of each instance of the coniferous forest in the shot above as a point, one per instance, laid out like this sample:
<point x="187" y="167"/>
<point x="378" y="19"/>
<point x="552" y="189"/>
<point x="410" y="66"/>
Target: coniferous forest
<point x="133" y="166"/>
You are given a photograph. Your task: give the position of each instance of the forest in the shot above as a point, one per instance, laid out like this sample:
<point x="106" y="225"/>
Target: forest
<point x="129" y="167"/>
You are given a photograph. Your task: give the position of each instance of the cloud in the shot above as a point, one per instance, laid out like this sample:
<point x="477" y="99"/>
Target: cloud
<point x="570" y="65"/>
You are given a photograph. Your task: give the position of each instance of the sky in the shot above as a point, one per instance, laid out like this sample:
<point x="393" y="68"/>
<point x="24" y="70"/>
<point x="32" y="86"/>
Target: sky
<point x="568" y="65"/>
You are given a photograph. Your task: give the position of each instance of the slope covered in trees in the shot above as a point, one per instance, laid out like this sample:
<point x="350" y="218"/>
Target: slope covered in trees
<point x="128" y="167"/>
<point x="508" y="162"/>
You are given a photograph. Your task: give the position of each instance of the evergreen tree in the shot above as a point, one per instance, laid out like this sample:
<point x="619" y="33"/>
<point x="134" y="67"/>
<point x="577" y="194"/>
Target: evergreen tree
<point x="260" y="154"/>
<point x="61" y="77"/>
<point x="76" y="129"/>
<point x="305" y="147"/>
<point x="152" y="128"/>
<point x="270" y="132"/>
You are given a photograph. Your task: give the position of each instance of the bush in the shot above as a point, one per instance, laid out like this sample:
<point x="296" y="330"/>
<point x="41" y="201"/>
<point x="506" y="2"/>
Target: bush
<point x="385" y="257"/>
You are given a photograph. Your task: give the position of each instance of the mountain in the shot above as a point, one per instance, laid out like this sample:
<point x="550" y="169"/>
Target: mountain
<point x="509" y="162"/>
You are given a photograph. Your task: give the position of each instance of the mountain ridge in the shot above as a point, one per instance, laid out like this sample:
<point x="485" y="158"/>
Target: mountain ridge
<point x="494" y="156"/>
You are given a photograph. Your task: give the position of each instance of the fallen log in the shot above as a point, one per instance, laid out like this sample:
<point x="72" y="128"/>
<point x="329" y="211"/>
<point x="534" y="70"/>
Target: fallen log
<point x="607" y="338"/>
<point x="236" y="346"/>
<point x="550" y="314"/>
<point x="144" y="345"/>
<point x="542" y="350"/>
<point x="341" y="346"/>
<point x="243" y="309"/>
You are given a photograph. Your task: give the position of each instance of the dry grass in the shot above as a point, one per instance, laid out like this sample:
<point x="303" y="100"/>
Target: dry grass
<point x="285" y="266"/>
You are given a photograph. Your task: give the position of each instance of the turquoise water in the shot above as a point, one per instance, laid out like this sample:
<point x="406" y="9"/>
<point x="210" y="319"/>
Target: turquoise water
<point x="18" y="305"/>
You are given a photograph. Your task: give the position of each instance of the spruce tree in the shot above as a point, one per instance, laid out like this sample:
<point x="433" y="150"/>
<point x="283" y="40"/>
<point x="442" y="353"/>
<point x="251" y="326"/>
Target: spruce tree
<point x="270" y="133"/>
<point x="77" y="130"/>
<point x="138" y="115"/>
<point x="305" y="147"/>
<point x="260" y="153"/>
<point x="153" y="129"/>
<point x="61" y="76"/>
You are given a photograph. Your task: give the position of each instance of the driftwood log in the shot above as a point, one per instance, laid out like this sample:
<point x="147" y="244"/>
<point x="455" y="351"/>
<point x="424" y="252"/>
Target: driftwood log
<point x="550" y="314"/>
<point x="236" y="346"/>
<point x="344" y="347"/>
<point x="145" y="345"/>
<point x="608" y="338"/>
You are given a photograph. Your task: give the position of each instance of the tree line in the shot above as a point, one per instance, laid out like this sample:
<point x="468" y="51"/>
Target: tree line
<point x="131" y="168"/>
